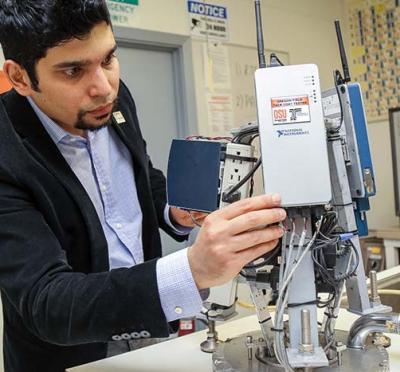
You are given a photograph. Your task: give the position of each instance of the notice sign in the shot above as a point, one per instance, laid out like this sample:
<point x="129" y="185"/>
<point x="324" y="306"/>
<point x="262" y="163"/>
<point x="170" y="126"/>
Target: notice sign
<point x="288" y="110"/>
<point x="208" y="20"/>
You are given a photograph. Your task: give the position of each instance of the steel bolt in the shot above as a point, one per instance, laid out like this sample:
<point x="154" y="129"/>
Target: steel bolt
<point x="374" y="287"/>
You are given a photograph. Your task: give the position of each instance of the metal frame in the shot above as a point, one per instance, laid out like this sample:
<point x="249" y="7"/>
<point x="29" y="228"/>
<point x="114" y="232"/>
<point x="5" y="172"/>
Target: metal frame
<point x="394" y="114"/>
<point x="181" y="48"/>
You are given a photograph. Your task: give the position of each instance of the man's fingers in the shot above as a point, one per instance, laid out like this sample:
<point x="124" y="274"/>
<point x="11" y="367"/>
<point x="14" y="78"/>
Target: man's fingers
<point x="250" y="204"/>
<point x="251" y="239"/>
<point x="256" y="220"/>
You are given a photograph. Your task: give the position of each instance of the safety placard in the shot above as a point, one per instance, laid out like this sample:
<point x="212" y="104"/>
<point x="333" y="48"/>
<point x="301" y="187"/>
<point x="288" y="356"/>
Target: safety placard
<point x="123" y="12"/>
<point x="208" y="20"/>
<point x="288" y="110"/>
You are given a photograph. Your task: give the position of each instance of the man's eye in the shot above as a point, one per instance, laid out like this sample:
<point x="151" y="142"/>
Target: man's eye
<point x="72" y="72"/>
<point x="109" y="60"/>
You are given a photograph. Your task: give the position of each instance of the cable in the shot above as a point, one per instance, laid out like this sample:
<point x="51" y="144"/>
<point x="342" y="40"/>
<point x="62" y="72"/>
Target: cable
<point x="274" y="56"/>
<point x="243" y="181"/>
<point x="246" y="132"/>
<point x="282" y="300"/>
<point x="267" y="259"/>
<point x="336" y="76"/>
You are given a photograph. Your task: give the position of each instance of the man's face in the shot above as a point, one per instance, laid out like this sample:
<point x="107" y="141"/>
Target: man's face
<point x="79" y="80"/>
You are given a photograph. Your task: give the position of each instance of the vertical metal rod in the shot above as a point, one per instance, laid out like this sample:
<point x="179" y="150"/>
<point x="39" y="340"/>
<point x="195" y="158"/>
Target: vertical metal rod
<point x="249" y="342"/>
<point x="373" y="282"/>
<point x="305" y="327"/>
<point x="211" y="326"/>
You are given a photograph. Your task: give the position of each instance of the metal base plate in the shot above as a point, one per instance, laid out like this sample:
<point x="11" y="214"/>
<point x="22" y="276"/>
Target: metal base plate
<point x="232" y="356"/>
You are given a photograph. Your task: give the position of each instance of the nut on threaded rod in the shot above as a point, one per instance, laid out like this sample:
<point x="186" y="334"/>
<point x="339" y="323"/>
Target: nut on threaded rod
<point x="373" y="282"/>
<point x="306" y="345"/>
<point x="249" y="344"/>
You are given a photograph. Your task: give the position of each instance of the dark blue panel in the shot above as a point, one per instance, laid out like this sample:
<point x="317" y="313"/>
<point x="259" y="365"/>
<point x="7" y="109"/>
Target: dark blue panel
<point x="193" y="175"/>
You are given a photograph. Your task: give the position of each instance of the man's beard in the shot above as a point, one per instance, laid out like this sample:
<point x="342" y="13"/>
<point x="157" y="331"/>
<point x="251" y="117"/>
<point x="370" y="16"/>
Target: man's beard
<point x="82" y="124"/>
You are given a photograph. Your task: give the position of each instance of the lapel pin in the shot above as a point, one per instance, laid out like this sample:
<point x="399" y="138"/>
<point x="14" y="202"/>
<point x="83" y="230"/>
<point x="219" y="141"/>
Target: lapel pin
<point x="119" y="118"/>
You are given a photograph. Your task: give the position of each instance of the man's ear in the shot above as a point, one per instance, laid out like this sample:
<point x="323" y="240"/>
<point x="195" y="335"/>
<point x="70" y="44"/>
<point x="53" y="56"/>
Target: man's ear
<point x="18" y="77"/>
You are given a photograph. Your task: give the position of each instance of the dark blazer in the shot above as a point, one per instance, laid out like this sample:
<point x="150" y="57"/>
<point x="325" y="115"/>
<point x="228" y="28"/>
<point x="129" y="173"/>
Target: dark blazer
<point x="61" y="304"/>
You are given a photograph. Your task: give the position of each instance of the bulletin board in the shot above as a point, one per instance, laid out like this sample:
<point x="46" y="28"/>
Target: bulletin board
<point x="374" y="27"/>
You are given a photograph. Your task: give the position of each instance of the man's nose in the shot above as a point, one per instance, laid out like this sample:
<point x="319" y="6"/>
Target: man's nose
<point x="100" y="85"/>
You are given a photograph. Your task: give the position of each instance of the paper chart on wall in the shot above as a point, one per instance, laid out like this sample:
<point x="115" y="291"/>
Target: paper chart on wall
<point x="220" y="113"/>
<point x="216" y="66"/>
<point x="374" y="27"/>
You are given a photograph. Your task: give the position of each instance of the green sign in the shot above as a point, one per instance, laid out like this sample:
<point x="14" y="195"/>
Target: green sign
<point x="131" y="2"/>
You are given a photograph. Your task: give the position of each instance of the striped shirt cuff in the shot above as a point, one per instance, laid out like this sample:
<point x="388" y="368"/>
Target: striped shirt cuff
<point x="178" y="292"/>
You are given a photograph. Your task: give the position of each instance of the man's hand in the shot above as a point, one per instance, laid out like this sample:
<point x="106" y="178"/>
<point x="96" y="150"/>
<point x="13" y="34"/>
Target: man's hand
<point x="232" y="237"/>
<point x="183" y="218"/>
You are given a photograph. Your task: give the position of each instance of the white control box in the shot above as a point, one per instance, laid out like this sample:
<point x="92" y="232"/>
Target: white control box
<point x="292" y="134"/>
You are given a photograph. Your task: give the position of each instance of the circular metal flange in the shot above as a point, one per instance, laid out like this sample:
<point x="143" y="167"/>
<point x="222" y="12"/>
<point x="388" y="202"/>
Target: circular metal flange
<point x="232" y="356"/>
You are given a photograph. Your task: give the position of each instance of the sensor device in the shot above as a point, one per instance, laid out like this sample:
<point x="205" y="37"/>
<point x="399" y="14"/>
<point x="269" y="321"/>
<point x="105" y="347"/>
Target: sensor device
<point x="292" y="134"/>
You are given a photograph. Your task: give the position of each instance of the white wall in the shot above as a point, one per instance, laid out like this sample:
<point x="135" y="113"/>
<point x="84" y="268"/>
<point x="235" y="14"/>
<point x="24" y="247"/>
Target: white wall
<point x="382" y="212"/>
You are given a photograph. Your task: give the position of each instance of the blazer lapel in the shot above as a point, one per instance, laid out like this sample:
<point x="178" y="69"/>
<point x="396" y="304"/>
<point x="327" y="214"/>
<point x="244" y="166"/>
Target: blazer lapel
<point x="132" y="140"/>
<point x="42" y="147"/>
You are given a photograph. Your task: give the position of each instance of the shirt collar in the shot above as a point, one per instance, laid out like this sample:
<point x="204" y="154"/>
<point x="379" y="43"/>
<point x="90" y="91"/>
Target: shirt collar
<point x="56" y="133"/>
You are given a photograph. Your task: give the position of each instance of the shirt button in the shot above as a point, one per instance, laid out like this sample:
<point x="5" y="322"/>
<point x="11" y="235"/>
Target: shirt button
<point x="103" y="188"/>
<point x="118" y="226"/>
<point x="178" y="310"/>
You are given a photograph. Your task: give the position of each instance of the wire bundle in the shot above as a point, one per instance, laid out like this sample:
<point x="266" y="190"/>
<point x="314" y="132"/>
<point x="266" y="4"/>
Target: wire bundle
<point x="287" y="269"/>
<point x="332" y="235"/>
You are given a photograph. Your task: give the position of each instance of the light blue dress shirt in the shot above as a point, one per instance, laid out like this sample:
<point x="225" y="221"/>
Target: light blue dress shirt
<point x="103" y="165"/>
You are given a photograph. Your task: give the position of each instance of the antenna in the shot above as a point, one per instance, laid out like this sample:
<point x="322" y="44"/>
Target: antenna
<point x="260" y="37"/>
<point x="345" y="66"/>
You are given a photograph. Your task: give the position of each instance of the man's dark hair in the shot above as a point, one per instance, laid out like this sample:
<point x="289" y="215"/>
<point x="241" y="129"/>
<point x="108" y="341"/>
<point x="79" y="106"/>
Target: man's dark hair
<point x="28" y="28"/>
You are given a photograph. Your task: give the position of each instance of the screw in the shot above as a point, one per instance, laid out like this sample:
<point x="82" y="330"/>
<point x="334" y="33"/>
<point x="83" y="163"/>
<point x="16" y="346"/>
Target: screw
<point x="249" y="343"/>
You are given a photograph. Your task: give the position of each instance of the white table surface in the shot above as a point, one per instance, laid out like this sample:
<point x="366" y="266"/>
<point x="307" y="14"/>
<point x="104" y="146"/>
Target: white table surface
<point x="183" y="354"/>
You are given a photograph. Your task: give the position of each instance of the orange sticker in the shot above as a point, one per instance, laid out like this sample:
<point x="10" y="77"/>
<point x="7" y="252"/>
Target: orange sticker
<point x="289" y="101"/>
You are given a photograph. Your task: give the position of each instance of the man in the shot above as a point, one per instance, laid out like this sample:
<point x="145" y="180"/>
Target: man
<point x="81" y="204"/>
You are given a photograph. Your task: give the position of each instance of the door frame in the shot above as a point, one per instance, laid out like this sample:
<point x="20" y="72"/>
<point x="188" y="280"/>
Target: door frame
<point x="181" y="48"/>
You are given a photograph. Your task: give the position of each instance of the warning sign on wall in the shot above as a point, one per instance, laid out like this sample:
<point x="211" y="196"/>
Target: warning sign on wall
<point x="288" y="110"/>
<point x="122" y="12"/>
<point x="208" y="20"/>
